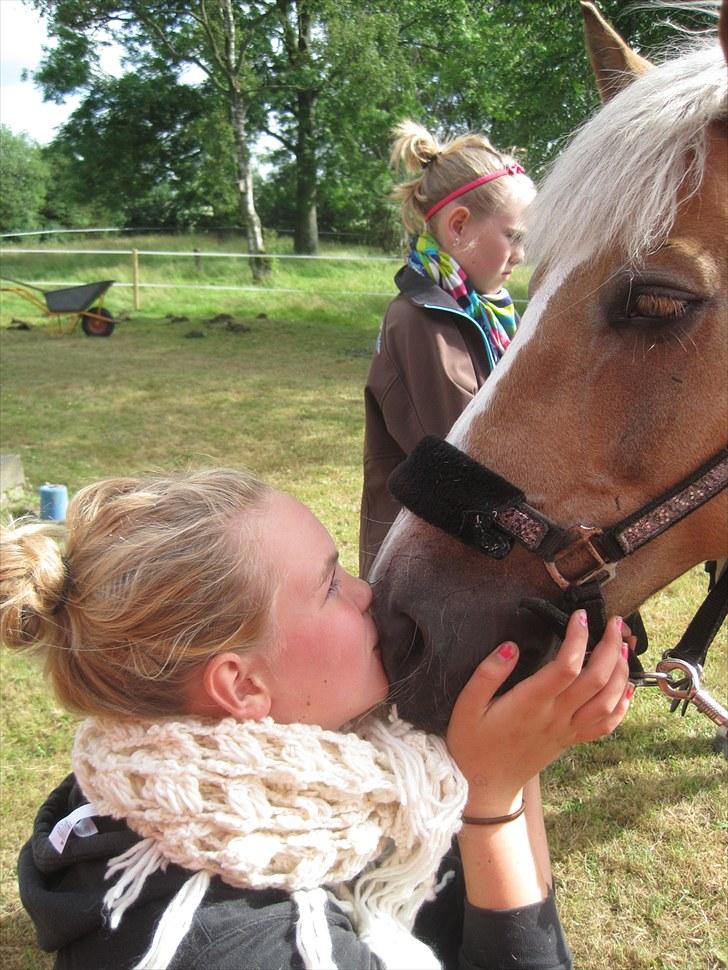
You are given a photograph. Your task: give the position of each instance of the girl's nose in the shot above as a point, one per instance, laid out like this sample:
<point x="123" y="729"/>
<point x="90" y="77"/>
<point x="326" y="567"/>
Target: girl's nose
<point x="362" y="594"/>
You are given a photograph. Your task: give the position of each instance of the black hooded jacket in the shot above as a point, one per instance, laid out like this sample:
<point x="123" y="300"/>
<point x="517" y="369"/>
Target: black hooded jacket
<point x="236" y="929"/>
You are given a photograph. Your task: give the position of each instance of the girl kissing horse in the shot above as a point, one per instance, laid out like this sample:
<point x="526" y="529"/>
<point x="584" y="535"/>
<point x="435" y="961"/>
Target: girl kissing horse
<point x="612" y="394"/>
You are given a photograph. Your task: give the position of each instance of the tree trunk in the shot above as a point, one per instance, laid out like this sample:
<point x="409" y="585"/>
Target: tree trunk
<point x="305" y="238"/>
<point x="249" y="216"/>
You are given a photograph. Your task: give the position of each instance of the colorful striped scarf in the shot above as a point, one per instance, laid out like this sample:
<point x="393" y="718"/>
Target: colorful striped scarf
<point x="493" y="313"/>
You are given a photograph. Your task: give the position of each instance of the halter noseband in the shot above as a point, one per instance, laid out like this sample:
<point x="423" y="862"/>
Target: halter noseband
<point x="458" y="495"/>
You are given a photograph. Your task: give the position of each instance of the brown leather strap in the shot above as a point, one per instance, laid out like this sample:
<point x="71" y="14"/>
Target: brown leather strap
<point x="495" y="819"/>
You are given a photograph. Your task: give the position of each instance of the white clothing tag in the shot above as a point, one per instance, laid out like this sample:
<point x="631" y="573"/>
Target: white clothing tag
<point x="79" y="822"/>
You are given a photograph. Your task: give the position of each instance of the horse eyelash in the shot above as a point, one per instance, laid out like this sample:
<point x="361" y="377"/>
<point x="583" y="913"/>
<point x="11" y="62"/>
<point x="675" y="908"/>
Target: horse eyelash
<point x="659" y="307"/>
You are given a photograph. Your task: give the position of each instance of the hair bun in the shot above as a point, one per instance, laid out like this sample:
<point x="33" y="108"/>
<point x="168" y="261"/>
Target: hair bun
<point x="413" y="148"/>
<point x="33" y="584"/>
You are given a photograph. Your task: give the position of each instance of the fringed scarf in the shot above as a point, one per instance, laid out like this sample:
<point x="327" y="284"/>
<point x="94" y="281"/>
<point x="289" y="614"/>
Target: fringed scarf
<point x="365" y="817"/>
<point x="493" y="313"/>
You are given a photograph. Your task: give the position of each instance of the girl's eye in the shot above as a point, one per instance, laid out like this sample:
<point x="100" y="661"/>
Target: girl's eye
<point x="334" y="585"/>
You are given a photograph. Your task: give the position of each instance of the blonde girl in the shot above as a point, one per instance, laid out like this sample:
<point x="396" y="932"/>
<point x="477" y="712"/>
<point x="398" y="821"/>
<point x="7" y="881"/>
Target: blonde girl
<point x="242" y="795"/>
<point x="453" y="318"/>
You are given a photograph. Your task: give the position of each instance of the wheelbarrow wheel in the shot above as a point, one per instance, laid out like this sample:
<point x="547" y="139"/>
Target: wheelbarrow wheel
<point x="97" y="322"/>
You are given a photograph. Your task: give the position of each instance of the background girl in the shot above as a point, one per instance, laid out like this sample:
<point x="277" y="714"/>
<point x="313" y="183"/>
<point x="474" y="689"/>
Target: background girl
<point x="453" y="319"/>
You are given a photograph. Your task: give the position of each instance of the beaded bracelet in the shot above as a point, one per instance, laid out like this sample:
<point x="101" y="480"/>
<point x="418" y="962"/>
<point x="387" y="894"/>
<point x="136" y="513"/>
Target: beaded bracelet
<point x="497" y="819"/>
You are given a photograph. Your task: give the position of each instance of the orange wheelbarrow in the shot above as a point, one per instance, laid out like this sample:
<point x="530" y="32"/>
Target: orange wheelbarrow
<point x="69" y="306"/>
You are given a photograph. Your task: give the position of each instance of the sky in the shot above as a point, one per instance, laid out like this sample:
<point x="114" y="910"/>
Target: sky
<point x="22" y="36"/>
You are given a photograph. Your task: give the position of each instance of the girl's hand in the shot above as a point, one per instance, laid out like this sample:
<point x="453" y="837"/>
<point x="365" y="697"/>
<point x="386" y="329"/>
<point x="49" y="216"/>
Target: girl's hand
<point x="499" y="744"/>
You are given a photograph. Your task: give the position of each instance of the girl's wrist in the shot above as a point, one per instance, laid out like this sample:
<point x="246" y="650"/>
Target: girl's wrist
<point x="491" y="804"/>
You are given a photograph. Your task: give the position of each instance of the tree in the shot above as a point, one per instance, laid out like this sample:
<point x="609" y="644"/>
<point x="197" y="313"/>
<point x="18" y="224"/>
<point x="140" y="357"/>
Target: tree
<point x="217" y="36"/>
<point x="292" y="62"/>
<point x="533" y="85"/>
<point x="23" y="181"/>
<point x="328" y="64"/>
<point x="151" y="150"/>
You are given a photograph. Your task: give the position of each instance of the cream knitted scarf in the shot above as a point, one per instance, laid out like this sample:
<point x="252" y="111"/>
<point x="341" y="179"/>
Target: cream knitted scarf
<point x="364" y="816"/>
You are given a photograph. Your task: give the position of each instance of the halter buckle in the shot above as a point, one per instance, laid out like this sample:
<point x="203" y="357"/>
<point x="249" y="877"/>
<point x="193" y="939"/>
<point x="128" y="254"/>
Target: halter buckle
<point x="574" y="553"/>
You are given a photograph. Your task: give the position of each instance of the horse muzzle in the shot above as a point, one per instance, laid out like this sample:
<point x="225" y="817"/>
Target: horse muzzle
<point x="437" y="620"/>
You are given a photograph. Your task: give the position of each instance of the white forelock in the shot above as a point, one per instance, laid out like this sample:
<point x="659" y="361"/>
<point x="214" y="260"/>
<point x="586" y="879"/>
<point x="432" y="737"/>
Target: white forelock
<point x="527" y="331"/>
<point x="618" y="181"/>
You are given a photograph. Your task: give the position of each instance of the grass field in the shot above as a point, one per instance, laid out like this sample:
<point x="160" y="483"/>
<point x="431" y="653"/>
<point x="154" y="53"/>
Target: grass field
<point x="638" y="821"/>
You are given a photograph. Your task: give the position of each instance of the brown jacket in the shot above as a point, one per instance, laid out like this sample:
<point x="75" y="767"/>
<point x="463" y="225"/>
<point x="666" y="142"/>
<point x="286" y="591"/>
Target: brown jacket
<point x="428" y="363"/>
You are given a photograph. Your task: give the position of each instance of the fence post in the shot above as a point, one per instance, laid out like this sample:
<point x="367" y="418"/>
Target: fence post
<point x="135" y="278"/>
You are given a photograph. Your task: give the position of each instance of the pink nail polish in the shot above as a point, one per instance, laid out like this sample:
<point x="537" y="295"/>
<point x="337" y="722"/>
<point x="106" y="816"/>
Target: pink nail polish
<point x="507" y="651"/>
<point x="581" y="617"/>
<point x="630" y="691"/>
<point x="620" y="623"/>
<point x="625" y="651"/>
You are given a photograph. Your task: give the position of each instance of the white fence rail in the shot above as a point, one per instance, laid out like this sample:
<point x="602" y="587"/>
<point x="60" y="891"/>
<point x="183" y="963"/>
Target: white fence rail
<point x="199" y="254"/>
<point x="54" y="232"/>
<point x="137" y="285"/>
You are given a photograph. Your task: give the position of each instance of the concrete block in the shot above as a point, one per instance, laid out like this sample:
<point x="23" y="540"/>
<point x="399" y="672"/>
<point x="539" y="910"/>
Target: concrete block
<point x="11" y="472"/>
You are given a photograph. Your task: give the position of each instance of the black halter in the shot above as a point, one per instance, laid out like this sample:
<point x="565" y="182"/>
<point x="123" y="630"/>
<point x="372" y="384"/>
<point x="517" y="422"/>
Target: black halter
<point x="455" y="493"/>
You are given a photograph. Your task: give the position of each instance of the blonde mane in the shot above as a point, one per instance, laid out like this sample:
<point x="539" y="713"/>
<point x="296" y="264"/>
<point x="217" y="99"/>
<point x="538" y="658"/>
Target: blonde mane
<point x="619" y="181"/>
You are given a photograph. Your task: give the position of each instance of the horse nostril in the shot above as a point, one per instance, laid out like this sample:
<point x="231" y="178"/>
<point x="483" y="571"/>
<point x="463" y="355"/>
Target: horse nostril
<point x="401" y="642"/>
<point x="416" y="646"/>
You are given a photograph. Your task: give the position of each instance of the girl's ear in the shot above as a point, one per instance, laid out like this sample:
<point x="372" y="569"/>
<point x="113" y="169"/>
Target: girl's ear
<point x="455" y="222"/>
<point x="232" y="684"/>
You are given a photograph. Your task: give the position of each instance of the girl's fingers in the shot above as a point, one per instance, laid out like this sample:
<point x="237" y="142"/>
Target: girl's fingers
<point x="596" y="675"/>
<point x="600" y="707"/>
<point x="590" y="730"/>
<point x="488" y="676"/>
<point x="558" y="675"/>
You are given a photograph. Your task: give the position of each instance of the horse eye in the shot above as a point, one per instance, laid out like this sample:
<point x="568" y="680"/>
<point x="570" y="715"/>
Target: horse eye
<point x="654" y="307"/>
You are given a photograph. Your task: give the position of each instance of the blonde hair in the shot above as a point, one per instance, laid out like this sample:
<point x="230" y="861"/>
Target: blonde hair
<point x="156" y="575"/>
<point x="641" y="157"/>
<point x="443" y="167"/>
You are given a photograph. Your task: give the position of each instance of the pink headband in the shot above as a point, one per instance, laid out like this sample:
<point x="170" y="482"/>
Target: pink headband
<point x="514" y="169"/>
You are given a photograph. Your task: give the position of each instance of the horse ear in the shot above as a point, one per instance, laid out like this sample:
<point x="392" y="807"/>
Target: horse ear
<point x="614" y="63"/>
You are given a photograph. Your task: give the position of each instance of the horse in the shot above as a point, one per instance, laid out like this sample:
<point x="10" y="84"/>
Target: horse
<point x="612" y="394"/>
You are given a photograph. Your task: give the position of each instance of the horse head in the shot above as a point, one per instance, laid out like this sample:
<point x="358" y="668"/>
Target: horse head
<point x="614" y="388"/>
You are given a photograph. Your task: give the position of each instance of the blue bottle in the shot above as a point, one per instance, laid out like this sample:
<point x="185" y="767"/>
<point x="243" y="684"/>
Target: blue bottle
<point x="53" y="502"/>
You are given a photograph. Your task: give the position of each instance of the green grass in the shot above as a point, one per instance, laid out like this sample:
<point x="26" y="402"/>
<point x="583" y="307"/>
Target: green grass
<point x="637" y="821"/>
